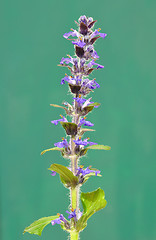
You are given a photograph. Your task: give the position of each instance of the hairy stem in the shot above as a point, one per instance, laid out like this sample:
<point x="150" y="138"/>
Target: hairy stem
<point x="74" y="235"/>
<point x="74" y="191"/>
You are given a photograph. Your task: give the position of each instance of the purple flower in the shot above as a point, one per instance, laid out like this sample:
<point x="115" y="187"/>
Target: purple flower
<point x="91" y="63"/>
<point x="96" y="32"/>
<point x="90" y="52"/>
<point x="80" y="100"/>
<point x="59" y="220"/>
<point x="92" y="84"/>
<point x="86" y="171"/>
<point x="66" y="60"/>
<point x="76" y="80"/>
<point x="53" y="173"/>
<point x="82" y="62"/>
<point x="83" y="19"/>
<point x="79" y="43"/>
<point x="73" y="33"/>
<point x="63" y="144"/>
<point x="63" y="119"/>
<point x="86" y="123"/>
<point x="72" y="214"/>
<point x="84" y="142"/>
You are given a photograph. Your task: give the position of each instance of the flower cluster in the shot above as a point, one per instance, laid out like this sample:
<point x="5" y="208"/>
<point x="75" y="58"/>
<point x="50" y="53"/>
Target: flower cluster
<point x="74" y="145"/>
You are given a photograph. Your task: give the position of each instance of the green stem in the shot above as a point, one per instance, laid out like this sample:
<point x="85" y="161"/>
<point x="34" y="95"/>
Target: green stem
<point x="74" y="235"/>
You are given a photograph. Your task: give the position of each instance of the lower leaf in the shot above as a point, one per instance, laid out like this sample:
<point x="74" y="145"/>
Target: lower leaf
<point x="91" y="202"/>
<point x="38" y="226"/>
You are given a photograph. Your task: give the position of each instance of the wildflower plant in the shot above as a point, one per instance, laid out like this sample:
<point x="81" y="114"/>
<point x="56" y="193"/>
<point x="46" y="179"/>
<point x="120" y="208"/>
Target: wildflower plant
<point x="75" y="146"/>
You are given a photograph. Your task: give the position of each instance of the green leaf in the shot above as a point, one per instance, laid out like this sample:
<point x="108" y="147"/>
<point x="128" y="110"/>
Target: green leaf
<point x="70" y="128"/>
<point x="91" y="202"/>
<point x="99" y="147"/>
<point x="66" y="176"/>
<point x="87" y="176"/>
<point x="86" y="110"/>
<point x="83" y="130"/>
<point x="55" y="105"/>
<point x="94" y="104"/>
<point x="38" y="226"/>
<point x="52" y="149"/>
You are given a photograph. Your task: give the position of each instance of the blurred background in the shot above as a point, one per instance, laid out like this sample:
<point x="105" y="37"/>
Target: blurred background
<point x="32" y="45"/>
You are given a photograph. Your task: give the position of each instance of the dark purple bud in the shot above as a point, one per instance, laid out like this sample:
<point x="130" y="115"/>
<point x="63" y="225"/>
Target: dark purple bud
<point x="83" y="28"/>
<point x="90" y="71"/>
<point x="92" y="24"/>
<point x="92" y="41"/>
<point x="79" y="51"/>
<point x="74" y="88"/>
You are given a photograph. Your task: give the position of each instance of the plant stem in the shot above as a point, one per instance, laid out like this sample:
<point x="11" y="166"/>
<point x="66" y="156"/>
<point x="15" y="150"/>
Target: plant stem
<point x="74" y="191"/>
<point x="74" y="235"/>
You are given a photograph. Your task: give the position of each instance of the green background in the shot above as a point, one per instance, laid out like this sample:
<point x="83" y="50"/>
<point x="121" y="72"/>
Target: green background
<point x="31" y="47"/>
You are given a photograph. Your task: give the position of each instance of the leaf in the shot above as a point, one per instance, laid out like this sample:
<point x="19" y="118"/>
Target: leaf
<point x="94" y="104"/>
<point x="99" y="147"/>
<point x="86" y="110"/>
<point x="38" y="226"/>
<point x="54" y="105"/>
<point x="70" y="128"/>
<point x="52" y="149"/>
<point x="91" y="202"/>
<point x="66" y="176"/>
<point x="83" y="130"/>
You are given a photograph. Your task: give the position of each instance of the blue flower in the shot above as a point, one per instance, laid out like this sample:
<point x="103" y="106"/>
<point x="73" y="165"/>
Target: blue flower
<point x="73" y="33"/>
<point x="83" y="19"/>
<point x="91" y="53"/>
<point x="72" y="80"/>
<point x="72" y="214"/>
<point x="91" y="63"/>
<point x="86" y="171"/>
<point x="84" y="142"/>
<point x="63" y="144"/>
<point x="63" y="119"/>
<point x="92" y="84"/>
<point x="53" y="173"/>
<point x="79" y="43"/>
<point x="96" y="32"/>
<point x="59" y="220"/>
<point x="66" y="60"/>
<point x="82" y="102"/>
<point x="86" y="123"/>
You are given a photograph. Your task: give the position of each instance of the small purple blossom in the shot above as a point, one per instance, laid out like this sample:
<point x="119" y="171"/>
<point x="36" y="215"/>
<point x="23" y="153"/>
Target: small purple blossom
<point x="96" y="32"/>
<point x="86" y="123"/>
<point x="80" y="100"/>
<point x="91" y="63"/>
<point x="86" y="171"/>
<point x="92" y="84"/>
<point x="79" y="43"/>
<point x="84" y="142"/>
<point x="63" y="144"/>
<point x="91" y="53"/>
<point x="66" y="60"/>
<point x="62" y="119"/>
<point x="73" y="33"/>
<point x="53" y="173"/>
<point x="59" y="220"/>
<point x="73" y="214"/>
<point x="74" y="81"/>
<point x="83" y="19"/>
